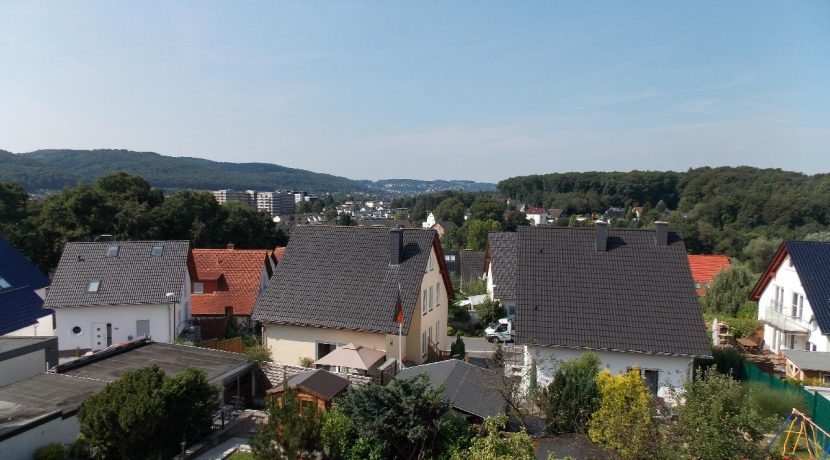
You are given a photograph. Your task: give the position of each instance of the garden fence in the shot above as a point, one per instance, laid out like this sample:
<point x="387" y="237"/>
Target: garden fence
<point x="818" y="406"/>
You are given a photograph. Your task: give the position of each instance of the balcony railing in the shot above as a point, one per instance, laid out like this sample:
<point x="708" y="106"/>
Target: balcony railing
<point x="792" y="324"/>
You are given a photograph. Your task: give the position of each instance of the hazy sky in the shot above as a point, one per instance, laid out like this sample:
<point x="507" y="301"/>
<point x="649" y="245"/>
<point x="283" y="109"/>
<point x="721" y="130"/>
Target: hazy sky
<point x="441" y="89"/>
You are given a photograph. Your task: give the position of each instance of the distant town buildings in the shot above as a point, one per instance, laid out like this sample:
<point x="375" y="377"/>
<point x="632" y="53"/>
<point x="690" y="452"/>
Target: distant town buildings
<point x="277" y="203"/>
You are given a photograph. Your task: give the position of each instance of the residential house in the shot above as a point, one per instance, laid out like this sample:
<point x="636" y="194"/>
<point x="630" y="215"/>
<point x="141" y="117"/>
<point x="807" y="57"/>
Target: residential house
<point x="474" y="391"/>
<point x="704" y="268"/>
<point x="442" y="226"/>
<point x="537" y="216"/>
<point x="793" y="296"/>
<point x="430" y="221"/>
<point x="622" y="293"/>
<point x="471" y="265"/>
<point x="613" y="213"/>
<point x="109" y="292"/>
<point x="43" y="409"/>
<point x="22" y="289"/>
<point x="226" y="283"/>
<point x="555" y="213"/>
<point x="315" y="389"/>
<point x="452" y="261"/>
<point x="500" y="257"/>
<point x="339" y="285"/>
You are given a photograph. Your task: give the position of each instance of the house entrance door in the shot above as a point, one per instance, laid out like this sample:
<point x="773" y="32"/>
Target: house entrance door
<point x="99" y="336"/>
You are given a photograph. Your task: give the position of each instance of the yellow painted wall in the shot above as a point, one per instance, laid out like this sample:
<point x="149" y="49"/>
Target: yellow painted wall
<point x="288" y="344"/>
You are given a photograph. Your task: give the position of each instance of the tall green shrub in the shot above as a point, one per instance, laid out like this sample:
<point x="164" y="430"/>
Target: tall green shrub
<point x="623" y="422"/>
<point x="572" y="396"/>
<point x="290" y="433"/>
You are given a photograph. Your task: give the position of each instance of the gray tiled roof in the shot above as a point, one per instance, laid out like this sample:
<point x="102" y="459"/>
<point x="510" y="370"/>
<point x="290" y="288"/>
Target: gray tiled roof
<point x="341" y="277"/>
<point x="502" y="248"/>
<point x="469" y="388"/>
<point x="133" y="277"/>
<point x="635" y="296"/>
<point x="471" y="264"/>
<point x="809" y="360"/>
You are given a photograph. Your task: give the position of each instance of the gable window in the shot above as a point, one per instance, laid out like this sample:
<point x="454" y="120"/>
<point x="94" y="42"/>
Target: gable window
<point x="798" y="305"/>
<point x="423" y="343"/>
<point x="424" y="302"/>
<point x="112" y="251"/>
<point x="198" y="288"/>
<point x="431" y="303"/>
<point x="93" y="286"/>
<point x="157" y="250"/>
<point x="4" y="284"/>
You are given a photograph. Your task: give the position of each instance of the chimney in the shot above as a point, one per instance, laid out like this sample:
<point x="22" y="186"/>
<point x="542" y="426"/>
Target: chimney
<point x="661" y="236"/>
<point x="230" y="246"/>
<point x="601" y="235"/>
<point x="395" y="245"/>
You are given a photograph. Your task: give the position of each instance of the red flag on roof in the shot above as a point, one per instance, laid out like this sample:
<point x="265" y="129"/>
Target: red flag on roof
<point x="399" y="310"/>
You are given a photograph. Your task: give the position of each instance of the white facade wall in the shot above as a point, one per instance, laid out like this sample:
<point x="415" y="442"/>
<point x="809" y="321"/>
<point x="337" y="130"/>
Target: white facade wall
<point x="22" y="367"/>
<point x="777" y="340"/>
<point x="24" y="445"/>
<point x="673" y="370"/>
<point x="43" y="328"/>
<point x="124" y="324"/>
<point x="508" y="304"/>
<point x="538" y="219"/>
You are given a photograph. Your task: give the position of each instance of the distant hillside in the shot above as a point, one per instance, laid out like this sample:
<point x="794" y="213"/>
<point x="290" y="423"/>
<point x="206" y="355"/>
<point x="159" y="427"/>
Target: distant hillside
<point x="182" y="172"/>
<point x="414" y="186"/>
<point x="32" y="174"/>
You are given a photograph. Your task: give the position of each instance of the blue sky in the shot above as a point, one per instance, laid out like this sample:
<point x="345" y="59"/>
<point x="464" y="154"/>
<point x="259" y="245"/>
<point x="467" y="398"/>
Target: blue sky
<point x="470" y="90"/>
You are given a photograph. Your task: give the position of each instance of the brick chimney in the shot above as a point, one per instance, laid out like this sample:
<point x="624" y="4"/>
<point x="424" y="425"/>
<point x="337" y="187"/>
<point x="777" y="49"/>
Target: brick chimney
<point x="661" y="235"/>
<point x="601" y="235"/>
<point x="396" y="246"/>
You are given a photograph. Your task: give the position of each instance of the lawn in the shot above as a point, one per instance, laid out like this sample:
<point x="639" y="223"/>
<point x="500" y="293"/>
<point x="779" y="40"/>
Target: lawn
<point x="241" y="456"/>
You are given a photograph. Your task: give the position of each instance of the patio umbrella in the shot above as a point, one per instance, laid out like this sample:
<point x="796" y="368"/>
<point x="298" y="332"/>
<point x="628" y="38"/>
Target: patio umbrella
<point x="352" y="356"/>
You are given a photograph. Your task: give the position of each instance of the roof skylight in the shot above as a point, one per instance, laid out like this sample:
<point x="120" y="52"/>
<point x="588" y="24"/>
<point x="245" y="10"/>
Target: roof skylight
<point x="4" y="284"/>
<point x="112" y="251"/>
<point x="157" y="250"/>
<point x="93" y="286"/>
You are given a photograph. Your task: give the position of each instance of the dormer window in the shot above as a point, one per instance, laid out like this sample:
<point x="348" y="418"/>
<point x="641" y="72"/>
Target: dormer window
<point x="112" y="251"/>
<point x="4" y="284"/>
<point x="157" y="250"/>
<point x="93" y="286"/>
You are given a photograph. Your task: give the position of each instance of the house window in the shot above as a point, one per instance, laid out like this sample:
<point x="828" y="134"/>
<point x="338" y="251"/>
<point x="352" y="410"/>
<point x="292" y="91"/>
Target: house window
<point x="450" y="258"/>
<point x="424" y="302"/>
<point x="826" y="379"/>
<point x="4" y="284"/>
<point x="198" y="288"/>
<point x="93" y="286"/>
<point x="431" y="301"/>
<point x="112" y="251"/>
<point x="798" y="305"/>
<point x="778" y="302"/>
<point x="651" y="378"/>
<point x="157" y="250"/>
<point x="423" y="343"/>
<point x="697" y="285"/>
<point x="77" y="330"/>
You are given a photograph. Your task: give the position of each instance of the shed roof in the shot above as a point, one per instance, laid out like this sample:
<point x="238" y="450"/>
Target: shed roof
<point x="318" y="382"/>
<point x="809" y="360"/>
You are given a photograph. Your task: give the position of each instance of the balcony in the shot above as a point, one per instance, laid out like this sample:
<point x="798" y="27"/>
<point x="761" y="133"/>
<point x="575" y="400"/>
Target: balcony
<point x="790" y="324"/>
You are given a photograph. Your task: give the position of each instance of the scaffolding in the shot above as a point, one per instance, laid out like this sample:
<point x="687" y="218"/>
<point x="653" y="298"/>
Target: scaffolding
<point x="802" y="433"/>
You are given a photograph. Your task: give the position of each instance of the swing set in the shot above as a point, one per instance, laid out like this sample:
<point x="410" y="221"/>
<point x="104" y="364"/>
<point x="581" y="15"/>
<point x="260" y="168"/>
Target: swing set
<point x="802" y="433"/>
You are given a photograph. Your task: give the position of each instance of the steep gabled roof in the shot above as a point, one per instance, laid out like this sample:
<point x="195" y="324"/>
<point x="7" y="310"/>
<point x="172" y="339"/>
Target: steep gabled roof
<point x="20" y="306"/>
<point x="471" y="264"/>
<point x="635" y="296"/>
<point x="536" y="211"/>
<point x="705" y="267"/>
<point x="241" y="270"/>
<point x="132" y="277"/>
<point x="501" y="254"/>
<point x="811" y="260"/>
<point x="342" y="278"/>
<point x="469" y="388"/>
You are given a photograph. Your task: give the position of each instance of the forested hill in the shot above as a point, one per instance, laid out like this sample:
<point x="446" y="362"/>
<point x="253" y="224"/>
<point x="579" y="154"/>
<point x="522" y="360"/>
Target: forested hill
<point x="180" y="172"/>
<point x="34" y="175"/>
<point x="721" y="210"/>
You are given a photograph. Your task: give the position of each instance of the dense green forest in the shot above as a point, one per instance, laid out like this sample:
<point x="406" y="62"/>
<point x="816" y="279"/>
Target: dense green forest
<point x="127" y="208"/>
<point x="738" y="211"/>
<point x="34" y="175"/>
<point x="178" y="172"/>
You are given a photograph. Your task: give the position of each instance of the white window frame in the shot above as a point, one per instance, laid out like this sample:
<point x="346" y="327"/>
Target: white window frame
<point x="113" y="248"/>
<point x="198" y="288"/>
<point x="424" y="302"/>
<point x="431" y="301"/>
<point x="93" y="286"/>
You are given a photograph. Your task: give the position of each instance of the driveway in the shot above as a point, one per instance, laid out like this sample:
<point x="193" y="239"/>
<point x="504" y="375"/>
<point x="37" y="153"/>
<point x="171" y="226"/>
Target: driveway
<point x="478" y="347"/>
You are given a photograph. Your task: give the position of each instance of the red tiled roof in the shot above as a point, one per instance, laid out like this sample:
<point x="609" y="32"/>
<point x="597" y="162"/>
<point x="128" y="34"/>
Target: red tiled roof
<point x="241" y="271"/>
<point x="535" y="211"/>
<point x="704" y="268"/>
<point x="278" y="252"/>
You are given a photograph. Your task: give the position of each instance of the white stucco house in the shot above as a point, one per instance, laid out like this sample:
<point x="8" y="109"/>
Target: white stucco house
<point x="341" y="285"/>
<point x="793" y="296"/>
<point x="624" y="294"/>
<point x="537" y="216"/>
<point x="430" y="221"/>
<point x="108" y="292"/>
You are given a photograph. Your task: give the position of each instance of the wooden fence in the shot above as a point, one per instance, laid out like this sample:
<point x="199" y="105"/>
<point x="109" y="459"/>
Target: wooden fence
<point x="235" y="345"/>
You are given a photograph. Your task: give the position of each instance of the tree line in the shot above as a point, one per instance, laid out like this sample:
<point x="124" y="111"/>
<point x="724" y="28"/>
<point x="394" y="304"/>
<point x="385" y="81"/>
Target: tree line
<point x="125" y="207"/>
